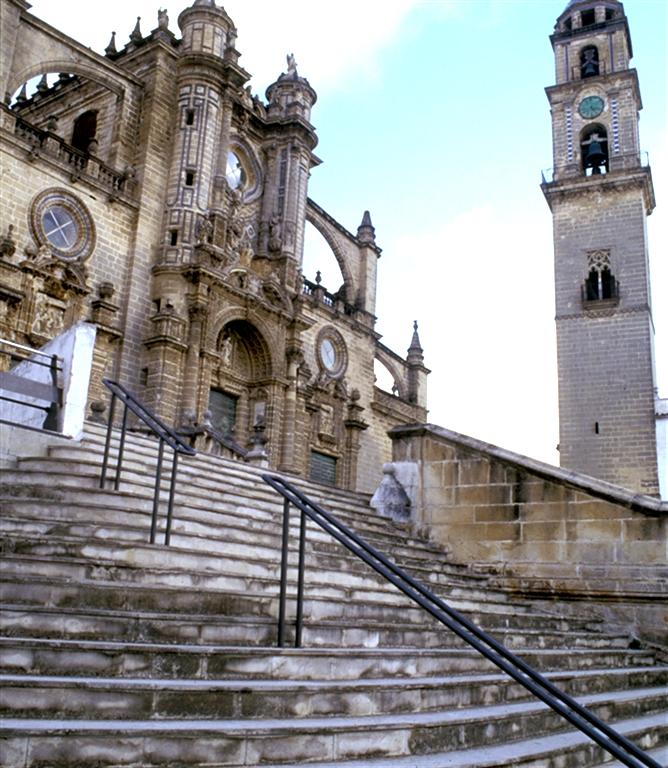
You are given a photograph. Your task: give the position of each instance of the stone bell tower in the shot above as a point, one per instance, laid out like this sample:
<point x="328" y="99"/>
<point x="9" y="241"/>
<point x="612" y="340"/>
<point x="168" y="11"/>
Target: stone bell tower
<point x="600" y="192"/>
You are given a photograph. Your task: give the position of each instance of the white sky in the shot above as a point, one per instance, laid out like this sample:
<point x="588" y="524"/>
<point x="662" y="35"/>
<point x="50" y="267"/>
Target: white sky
<point x="432" y="115"/>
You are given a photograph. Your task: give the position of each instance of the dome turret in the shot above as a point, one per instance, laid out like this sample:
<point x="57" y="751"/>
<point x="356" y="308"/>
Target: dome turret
<point x="206" y="28"/>
<point x="291" y="95"/>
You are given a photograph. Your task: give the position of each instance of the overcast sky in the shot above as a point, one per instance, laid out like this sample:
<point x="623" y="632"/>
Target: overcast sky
<point x="432" y="115"/>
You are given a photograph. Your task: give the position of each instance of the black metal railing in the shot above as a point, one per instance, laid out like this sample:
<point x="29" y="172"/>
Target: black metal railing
<point x="563" y="704"/>
<point x="166" y="436"/>
<point x="49" y="392"/>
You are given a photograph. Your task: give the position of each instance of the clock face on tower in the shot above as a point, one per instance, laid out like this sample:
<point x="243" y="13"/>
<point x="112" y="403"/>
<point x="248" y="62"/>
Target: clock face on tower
<point x="591" y="106"/>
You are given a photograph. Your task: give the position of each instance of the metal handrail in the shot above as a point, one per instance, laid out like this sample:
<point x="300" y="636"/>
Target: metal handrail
<point x="563" y="704"/>
<point x="165" y="435"/>
<point x="51" y="393"/>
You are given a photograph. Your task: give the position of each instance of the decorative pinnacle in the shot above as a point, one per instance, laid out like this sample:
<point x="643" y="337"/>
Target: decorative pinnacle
<point x="110" y="50"/>
<point x="136" y="36"/>
<point x="366" y="232"/>
<point x="415" y="350"/>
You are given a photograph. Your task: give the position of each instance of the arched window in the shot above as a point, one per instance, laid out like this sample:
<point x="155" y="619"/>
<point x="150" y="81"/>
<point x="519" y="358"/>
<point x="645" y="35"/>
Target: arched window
<point x="600" y="283"/>
<point x="594" y="150"/>
<point x="83" y="132"/>
<point x="589" y="65"/>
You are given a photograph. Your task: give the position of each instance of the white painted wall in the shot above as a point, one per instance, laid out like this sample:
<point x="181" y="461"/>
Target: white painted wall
<point x="662" y="445"/>
<point x="75" y="347"/>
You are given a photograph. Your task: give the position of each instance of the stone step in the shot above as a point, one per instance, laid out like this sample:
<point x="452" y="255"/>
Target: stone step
<point x="30" y="696"/>
<point x="200" y="503"/>
<point x="323" y="601"/>
<point x="325" y="563"/>
<point x="570" y="749"/>
<point x="167" y="626"/>
<point x="204" y="528"/>
<point x="28" y="655"/>
<point x="235" y="742"/>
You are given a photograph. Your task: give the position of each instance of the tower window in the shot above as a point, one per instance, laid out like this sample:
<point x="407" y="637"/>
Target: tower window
<point x="190" y="178"/>
<point x="609" y="14"/>
<point x="589" y="64"/>
<point x="594" y="150"/>
<point x="173" y="236"/>
<point x="83" y="132"/>
<point x="600" y="282"/>
<point x="588" y="18"/>
<point x="190" y="116"/>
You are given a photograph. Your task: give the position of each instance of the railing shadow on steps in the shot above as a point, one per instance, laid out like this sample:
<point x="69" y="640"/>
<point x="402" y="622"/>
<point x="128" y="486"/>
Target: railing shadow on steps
<point x="564" y="705"/>
<point x="166" y="436"/>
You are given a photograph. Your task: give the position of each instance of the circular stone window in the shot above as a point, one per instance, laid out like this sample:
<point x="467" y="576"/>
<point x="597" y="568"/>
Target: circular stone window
<point x="332" y="352"/>
<point x="234" y="172"/>
<point x="61" y="221"/>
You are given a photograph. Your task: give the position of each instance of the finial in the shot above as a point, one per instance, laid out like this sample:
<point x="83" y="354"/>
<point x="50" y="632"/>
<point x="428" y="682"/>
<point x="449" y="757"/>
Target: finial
<point x="43" y="84"/>
<point x="136" y="36"/>
<point x="318" y="277"/>
<point x="366" y="232"/>
<point x="110" y="50"/>
<point x="415" y="349"/>
<point x="23" y="94"/>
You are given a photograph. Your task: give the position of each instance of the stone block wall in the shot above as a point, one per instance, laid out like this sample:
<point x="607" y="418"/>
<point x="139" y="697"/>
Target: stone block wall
<point x="552" y="531"/>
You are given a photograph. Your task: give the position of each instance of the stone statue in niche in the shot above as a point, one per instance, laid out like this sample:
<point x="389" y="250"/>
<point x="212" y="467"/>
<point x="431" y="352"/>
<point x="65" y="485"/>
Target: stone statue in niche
<point x="326" y="420"/>
<point x="275" y="234"/>
<point x="245" y="246"/>
<point x="226" y="351"/>
<point x="204" y="232"/>
<point x="8" y="245"/>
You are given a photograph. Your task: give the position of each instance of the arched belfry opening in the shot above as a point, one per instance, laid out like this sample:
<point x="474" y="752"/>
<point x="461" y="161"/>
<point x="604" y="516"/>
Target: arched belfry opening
<point x="594" y="150"/>
<point x="84" y="131"/>
<point x="589" y="62"/>
<point x="240" y="381"/>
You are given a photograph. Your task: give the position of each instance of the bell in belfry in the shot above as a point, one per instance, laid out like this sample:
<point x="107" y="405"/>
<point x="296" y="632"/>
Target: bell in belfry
<point x="589" y="66"/>
<point x="595" y="156"/>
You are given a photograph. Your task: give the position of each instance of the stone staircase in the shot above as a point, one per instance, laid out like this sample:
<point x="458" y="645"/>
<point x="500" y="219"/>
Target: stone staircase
<point x="116" y="652"/>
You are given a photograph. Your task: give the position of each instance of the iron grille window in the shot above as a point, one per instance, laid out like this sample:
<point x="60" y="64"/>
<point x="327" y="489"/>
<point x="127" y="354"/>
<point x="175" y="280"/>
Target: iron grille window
<point x="323" y="468"/>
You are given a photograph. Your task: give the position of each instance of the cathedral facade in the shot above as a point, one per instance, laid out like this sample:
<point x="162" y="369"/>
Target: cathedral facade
<point x="149" y="192"/>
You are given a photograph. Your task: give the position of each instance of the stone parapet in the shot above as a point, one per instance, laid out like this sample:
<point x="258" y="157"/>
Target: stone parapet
<point x="546" y="527"/>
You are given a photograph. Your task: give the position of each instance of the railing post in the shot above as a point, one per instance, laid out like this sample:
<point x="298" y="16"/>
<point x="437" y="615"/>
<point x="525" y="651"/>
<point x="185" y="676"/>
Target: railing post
<point x="300" y="582"/>
<point x="121" y="448"/>
<point x="53" y="412"/>
<point x="284" y="573"/>
<point x="107" y="443"/>
<point x="156" y="494"/>
<point x="170" y="503"/>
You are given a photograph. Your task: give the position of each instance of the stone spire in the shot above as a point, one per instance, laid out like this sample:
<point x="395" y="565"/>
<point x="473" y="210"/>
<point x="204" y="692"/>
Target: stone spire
<point x="366" y="232"/>
<point x="417" y="373"/>
<point x="136" y="36"/>
<point x="43" y="85"/>
<point x="110" y="50"/>
<point x="415" y="355"/>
